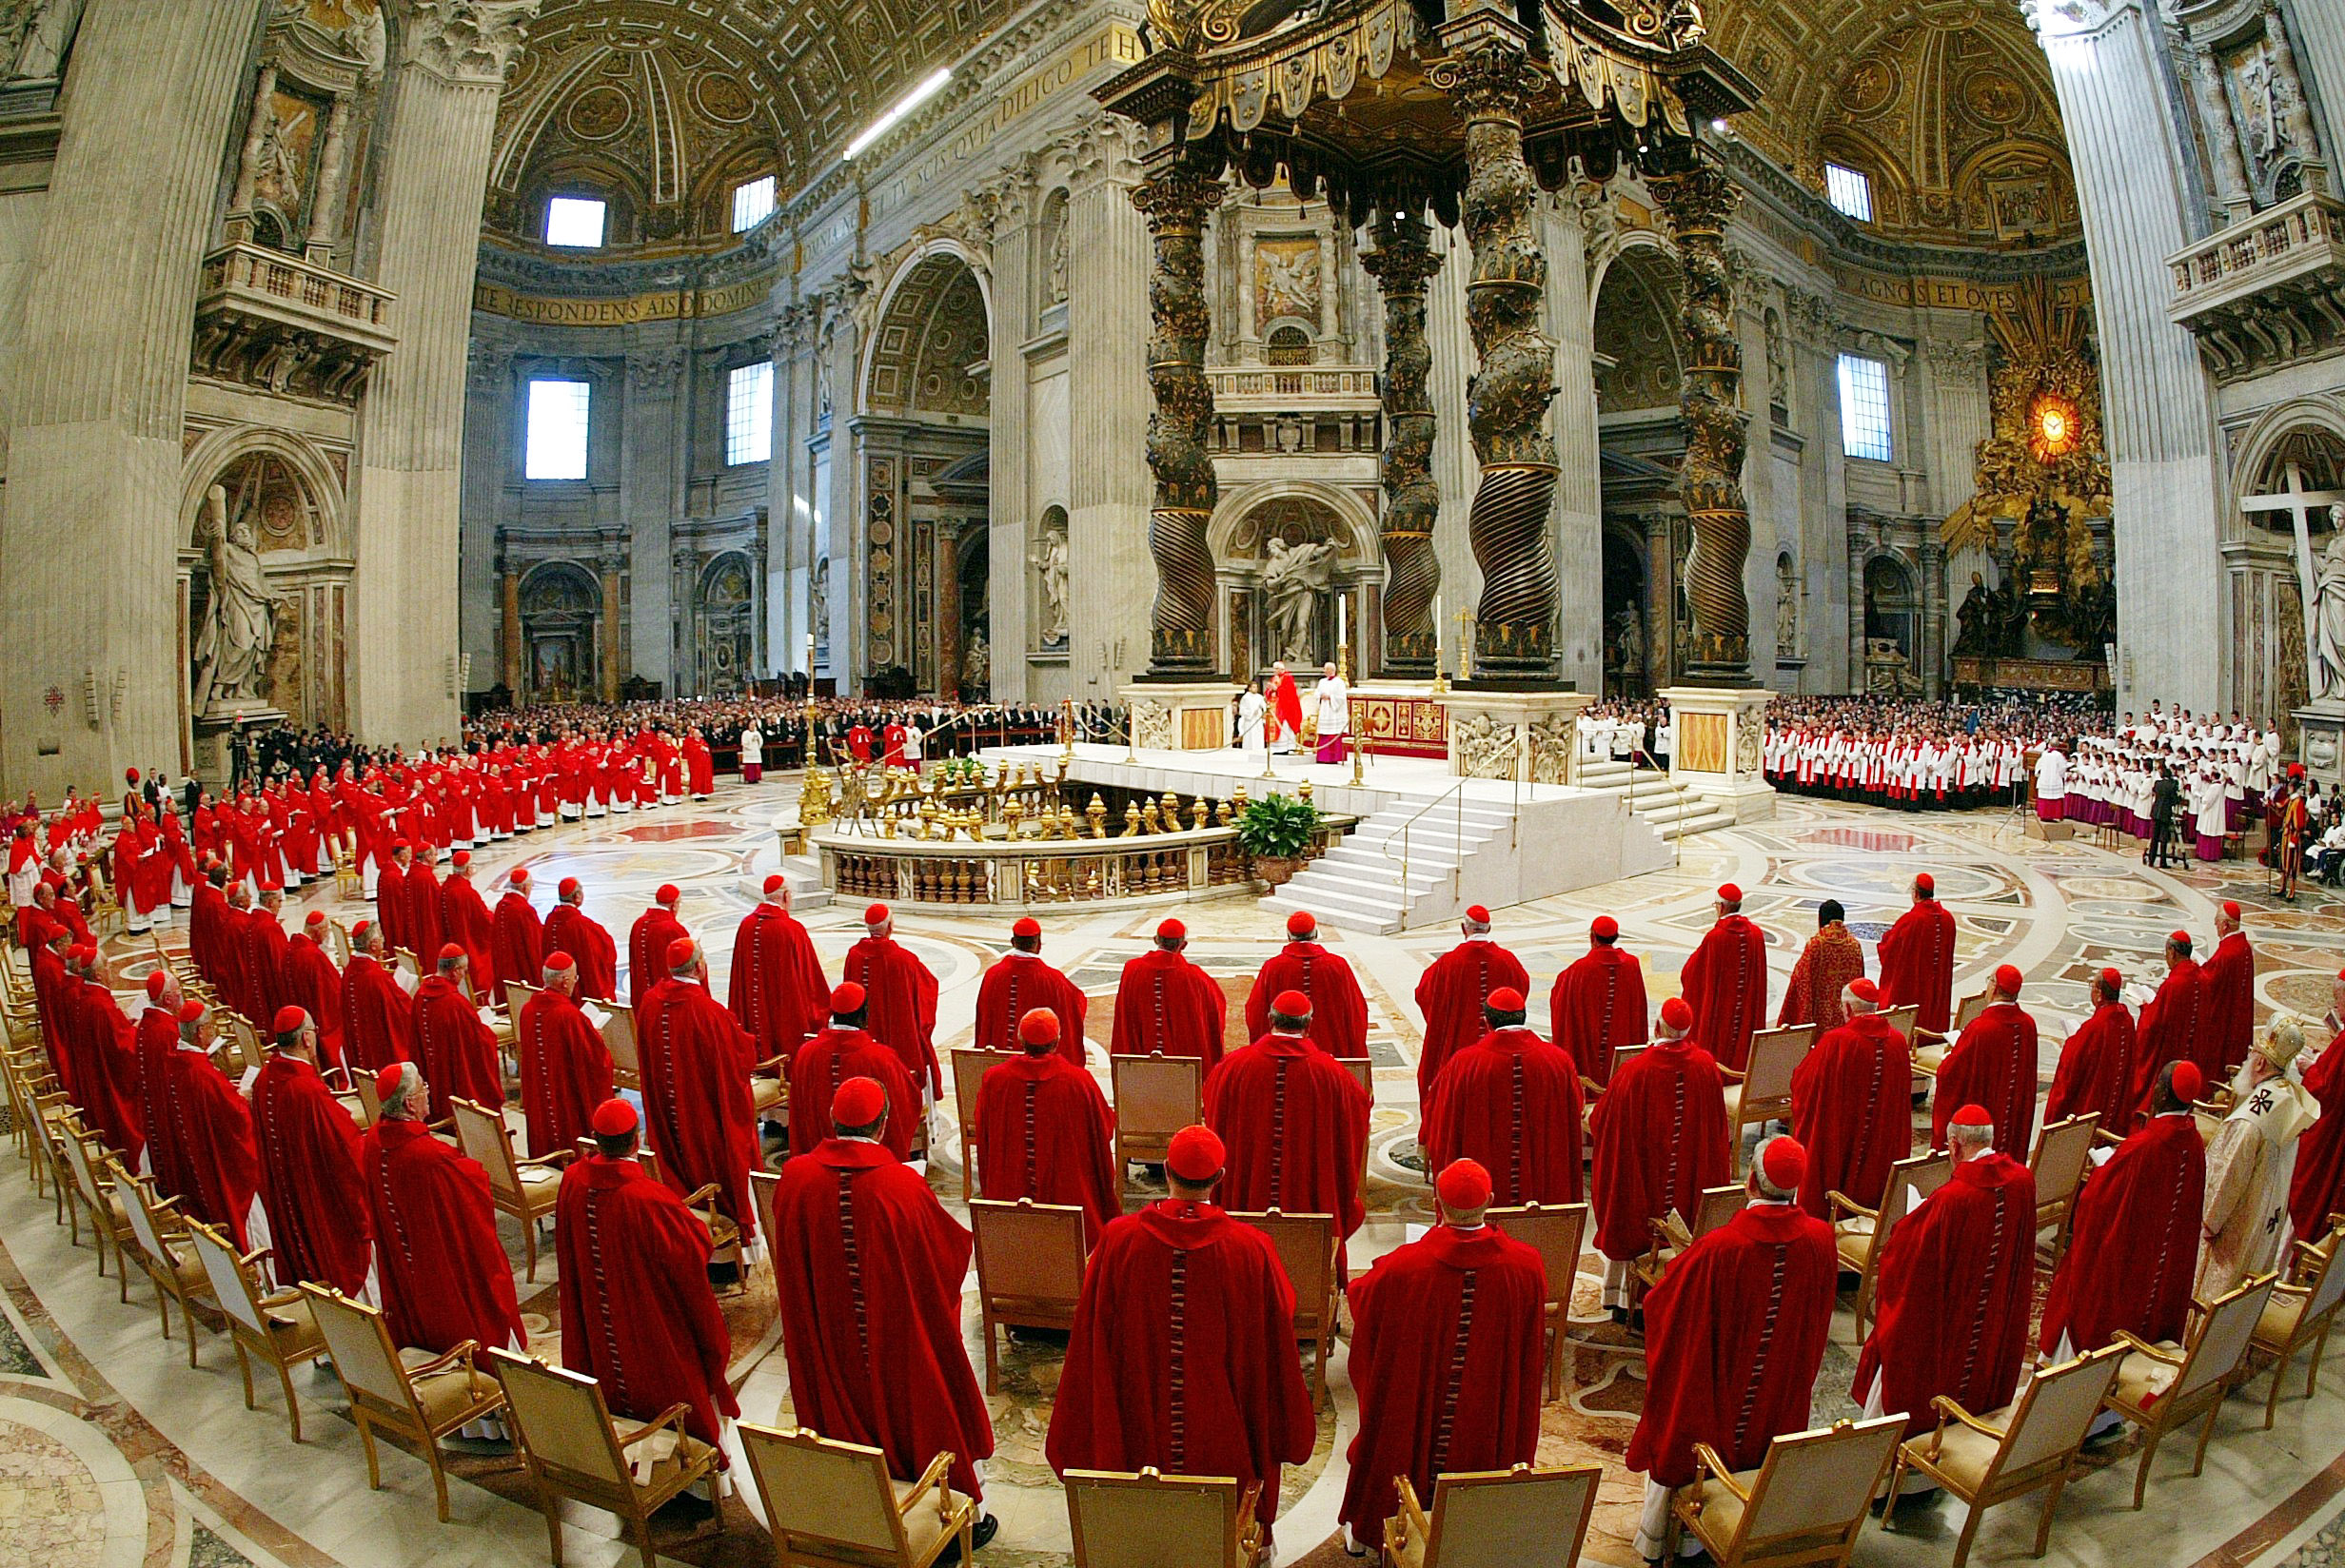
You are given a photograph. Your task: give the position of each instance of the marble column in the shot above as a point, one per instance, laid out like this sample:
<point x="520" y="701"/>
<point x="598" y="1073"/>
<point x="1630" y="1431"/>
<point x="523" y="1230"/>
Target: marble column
<point x="96" y="393"/>
<point x="608" y="642"/>
<point x="1660" y="603"/>
<point x="1455" y="470"/>
<point x="326" y="216"/>
<point x="1109" y="489"/>
<point x="2221" y="133"/>
<point x="786" y="499"/>
<point x="1402" y="264"/>
<point x="2320" y="29"/>
<point x="443" y="92"/>
<point x="1577" y="529"/>
<point x="509" y="627"/>
<point x="1176" y="199"/>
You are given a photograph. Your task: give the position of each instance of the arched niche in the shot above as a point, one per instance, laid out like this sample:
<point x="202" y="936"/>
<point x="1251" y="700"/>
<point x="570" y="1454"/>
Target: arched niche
<point x="562" y="630"/>
<point x="1637" y="337"/>
<point x="725" y="625"/>
<point x="1296" y="563"/>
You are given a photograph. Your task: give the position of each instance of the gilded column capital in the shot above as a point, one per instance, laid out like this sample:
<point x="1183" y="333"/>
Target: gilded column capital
<point x="466" y="40"/>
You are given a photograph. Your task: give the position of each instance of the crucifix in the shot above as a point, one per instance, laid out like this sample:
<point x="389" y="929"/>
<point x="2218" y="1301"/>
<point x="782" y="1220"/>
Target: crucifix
<point x="2299" y="503"/>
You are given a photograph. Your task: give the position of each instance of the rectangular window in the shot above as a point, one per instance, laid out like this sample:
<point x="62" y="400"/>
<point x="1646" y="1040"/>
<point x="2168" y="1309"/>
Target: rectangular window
<point x="557" y="448"/>
<point x="1865" y="407"/>
<point x="574" y="221"/>
<point x="749" y="413"/>
<point x="1849" y="191"/>
<point x="753" y="202"/>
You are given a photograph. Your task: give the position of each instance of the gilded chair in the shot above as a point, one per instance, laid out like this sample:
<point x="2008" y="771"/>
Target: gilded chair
<point x="1862" y="1234"/>
<point x="401" y="1392"/>
<point x="1030" y="1269"/>
<point x="275" y="1327"/>
<point x="526" y="1189"/>
<point x="834" y="1504"/>
<point x="1762" y="1091"/>
<point x="2159" y="1386"/>
<point x="1155" y="1097"/>
<point x="1154" y="1521"/>
<point x="1306" y="1247"/>
<point x="2302" y="1310"/>
<point x="1804" y="1505"/>
<point x="1484" y="1518"/>
<point x="1557" y="1233"/>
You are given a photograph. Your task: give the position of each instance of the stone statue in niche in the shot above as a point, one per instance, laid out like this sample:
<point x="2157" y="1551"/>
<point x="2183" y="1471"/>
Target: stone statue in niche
<point x="1778" y="371"/>
<point x="977" y="663"/>
<point x="1628" y="642"/>
<point x="1050" y="561"/>
<point x="1786" y="610"/>
<point x="2329" y="623"/>
<point x="1054" y="268"/>
<point x="1295" y="579"/>
<point x="35" y="36"/>
<point x="240" y="622"/>
<point x="1979" y="620"/>
<point x="819" y="601"/>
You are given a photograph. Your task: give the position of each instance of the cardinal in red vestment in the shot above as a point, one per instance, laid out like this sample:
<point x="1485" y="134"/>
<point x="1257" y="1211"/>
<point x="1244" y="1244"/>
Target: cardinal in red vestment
<point x="777" y="989"/>
<point x="1511" y="1103"/>
<point x="206" y="1134"/>
<point x="2172" y="1022"/>
<point x="1453" y="992"/>
<point x="153" y="1038"/>
<point x="1598" y="1003"/>
<point x="2229" y="1022"/>
<point x="1295" y="1121"/>
<point x="444" y="1274"/>
<point x="2133" y="1252"/>
<point x="2317" y="1188"/>
<point x="869" y="1267"/>
<point x="1043" y="1130"/>
<point x="309" y="1174"/>
<point x="571" y="930"/>
<point x="1734" y="1335"/>
<point x="565" y="1066"/>
<point x="2096" y="1072"/>
<point x="1183" y="1357"/>
<point x="1830" y="960"/>
<point x="1953" y="1287"/>
<point x="391" y="895"/>
<point x="1338" y="1011"/>
<point x="901" y="997"/>
<point x="655" y="931"/>
<point x="696" y="1086"/>
<point x="1726" y="982"/>
<point x="313" y="985"/>
<point x="841" y="1051"/>
<point x="465" y="922"/>
<point x="1449" y="1351"/>
<point x="266" y="951"/>
<point x="1992" y="1065"/>
<point x="1660" y="1138"/>
<point x="378" y="1015"/>
<point x="1916" y="959"/>
<point x="1286" y="705"/>
<point x="1165" y="1003"/>
<point x="105" y="1064"/>
<point x="1020" y="981"/>
<point x="457" y="1052"/>
<point x="638" y="1315"/>
<point x="517" y="936"/>
<point x="423" y="930"/>
<point x="1851" y="1106"/>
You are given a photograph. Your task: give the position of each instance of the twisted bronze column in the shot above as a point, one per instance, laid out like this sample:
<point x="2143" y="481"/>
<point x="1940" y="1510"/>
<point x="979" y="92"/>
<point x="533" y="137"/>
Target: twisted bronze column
<point x="1402" y="264"/>
<point x="1697" y="202"/>
<point x="1176" y="201"/>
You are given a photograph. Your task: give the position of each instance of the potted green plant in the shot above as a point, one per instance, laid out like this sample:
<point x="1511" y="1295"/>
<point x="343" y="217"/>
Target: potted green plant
<point x="1277" y="832"/>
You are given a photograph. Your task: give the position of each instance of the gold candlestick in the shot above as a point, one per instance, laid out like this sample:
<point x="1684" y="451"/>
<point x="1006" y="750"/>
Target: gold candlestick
<point x="1465" y="645"/>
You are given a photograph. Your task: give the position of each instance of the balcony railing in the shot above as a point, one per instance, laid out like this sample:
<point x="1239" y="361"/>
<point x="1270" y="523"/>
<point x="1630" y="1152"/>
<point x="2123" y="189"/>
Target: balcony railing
<point x="282" y="323"/>
<point x="2267" y="289"/>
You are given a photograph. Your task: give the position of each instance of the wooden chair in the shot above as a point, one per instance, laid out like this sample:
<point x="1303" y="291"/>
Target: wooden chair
<point x="1970" y="1007"/>
<point x="1363" y="1071"/>
<point x="1804" y="1505"/>
<point x="574" y="1449"/>
<point x="341" y="935"/>
<point x="1490" y="1519"/>
<point x="277" y="1328"/>
<point x="1557" y="1234"/>
<point x="239" y="1049"/>
<point x="403" y="1392"/>
<point x="1030" y="1268"/>
<point x="1155" y="1097"/>
<point x="834" y="1504"/>
<point x="1762" y="1091"/>
<point x="155" y="1224"/>
<point x="2302" y="1310"/>
<point x="1622" y="1056"/>
<point x="527" y="1190"/>
<point x="2160" y="1387"/>
<point x="1154" y="1521"/>
<point x="517" y="995"/>
<point x="370" y="1100"/>
<point x="1674" y="1233"/>
<point x="1906" y="1021"/>
<point x="969" y="1070"/>
<point x="2026" y="1446"/>
<point x="619" y="1035"/>
<point x="1306" y="1244"/>
<point x="94" y="1187"/>
<point x="1862" y="1234"/>
<point x="2058" y="1163"/>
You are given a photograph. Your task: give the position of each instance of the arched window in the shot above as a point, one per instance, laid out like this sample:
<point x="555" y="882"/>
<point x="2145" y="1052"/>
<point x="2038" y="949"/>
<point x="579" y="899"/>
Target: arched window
<point x="1290" y="344"/>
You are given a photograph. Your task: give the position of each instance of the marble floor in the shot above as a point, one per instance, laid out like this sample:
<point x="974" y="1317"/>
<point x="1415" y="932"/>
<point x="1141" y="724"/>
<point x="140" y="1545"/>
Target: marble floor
<point x="113" y="1453"/>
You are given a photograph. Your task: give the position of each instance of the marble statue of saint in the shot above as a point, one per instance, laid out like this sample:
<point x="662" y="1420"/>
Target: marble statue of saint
<point x="1054" y="284"/>
<point x="1976" y="619"/>
<point x="240" y="624"/>
<point x="40" y="35"/>
<point x="976" y="662"/>
<point x="1295" y="577"/>
<point x="1050" y="560"/>
<point x="2329" y="623"/>
<point x="1630" y="642"/>
<point x="819" y="600"/>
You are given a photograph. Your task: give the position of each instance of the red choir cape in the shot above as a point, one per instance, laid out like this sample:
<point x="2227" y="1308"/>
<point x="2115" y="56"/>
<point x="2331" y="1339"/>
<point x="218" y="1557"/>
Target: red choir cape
<point x="1016" y="984"/>
<point x="570" y="929"/>
<point x="647" y="951"/>
<point x="518" y="944"/>
<point x="1295" y="1121"/>
<point x="154" y="1037"/>
<point x="1448" y="1358"/>
<point x="1851" y="1108"/>
<point x="1917" y="964"/>
<point x="2096" y="1072"/>
<point x="1992" y="1066"/>
<point x="422" y="926"/>
<point x="638" y="1315"/>
<point x="777" y="989"/>
<point x="699" y="766"/>
<point x="468" y="923"/>
<point x="309" y="1180"/>
<point x="2227" y="1026"/>
<point x="566" y="1071"/>
<point x="1831" y="959"/>
<point x="1952" y="1293"/>
<point x="902" y="1007"/>
<point x="697" y="1109"/>
<point x="2169" y="1029"/>
<point x="1338" y="1011"/>
<point x="1183" y="1355"/>
<point x="55" y="999"/>
<point x="444" y="1274"/>
<point x="1726" y="982"/>
<point x="2318" y="1188"/>
<point x="1287" y="704"/>
<point x="106" y="1070"/>
<point x="205" y="908"/>
<point x="1165" y="1003"/>
<point x="459" y="1052"/>
<point x="1659" y="1136"/>
<point x="1734" y="1335"/>
<point x="869" y="1267"/>
<point x="1044" y="1131"/>
<point x="207" y="1130"/>
<point x="1512" y="1103"/>
<point x="2133" y="1253"/>
<point x="313" y="985"/>
<point x="1450" y="995"/>
<point x="391" y="904"/>
<point x="377" y="1016"/>
<point x="831" y="1058"/>
<point x="1597" y="1004"/>
<point x="266" y="951"/>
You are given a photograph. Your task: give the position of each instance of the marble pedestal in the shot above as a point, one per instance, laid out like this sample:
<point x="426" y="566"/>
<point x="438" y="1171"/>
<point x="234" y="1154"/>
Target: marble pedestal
<point x="1531" y="738"/>
<point x="1180" y="716"/>
<point x="216" y="726"/>
<point x="2320" y="743"/>
<point x="1720" y="746"/>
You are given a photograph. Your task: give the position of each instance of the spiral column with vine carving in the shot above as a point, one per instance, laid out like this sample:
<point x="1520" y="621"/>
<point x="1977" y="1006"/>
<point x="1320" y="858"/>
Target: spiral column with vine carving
<point x="1697" y="202"/>
<point x="1492" y="82"/>
<point x="1402" y="264"/>
<point x="1176" y="200"/>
